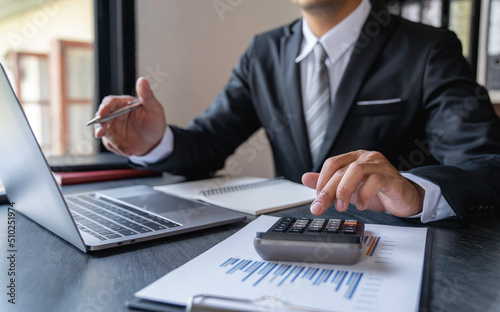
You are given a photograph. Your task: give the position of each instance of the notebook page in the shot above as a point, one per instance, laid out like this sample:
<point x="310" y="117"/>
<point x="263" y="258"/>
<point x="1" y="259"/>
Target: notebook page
<point x="191" y="190"/>
<point x="244" y="194"/>
<point x="271" y="197"/>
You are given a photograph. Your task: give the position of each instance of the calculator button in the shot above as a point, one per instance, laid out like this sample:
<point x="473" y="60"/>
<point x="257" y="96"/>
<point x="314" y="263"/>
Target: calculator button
<point x="333" y="230"/>
<point x="351" y="222"/>
<point x="348" y="231"/>
<point x="332" y="227"/>
<point x="284" y="222"/>
<point x="313" y="229"/>
<point x="319" y="226"/>
<point x="279" y="229"/>
<point x="315" y="226"/>
<point x="318" y="220"/>
<point x="302" y="220"/>
<point x="281" y="226"/>
<point x="299" y="225"/>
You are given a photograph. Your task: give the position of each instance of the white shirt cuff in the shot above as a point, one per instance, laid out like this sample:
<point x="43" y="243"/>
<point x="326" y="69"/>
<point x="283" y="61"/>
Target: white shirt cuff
<point x="435" y="205"/>
<point x="161" y="151"/>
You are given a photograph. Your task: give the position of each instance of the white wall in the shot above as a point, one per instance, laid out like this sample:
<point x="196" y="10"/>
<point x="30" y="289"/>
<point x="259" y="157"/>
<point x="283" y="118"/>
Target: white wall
<point x="187" y="49"/>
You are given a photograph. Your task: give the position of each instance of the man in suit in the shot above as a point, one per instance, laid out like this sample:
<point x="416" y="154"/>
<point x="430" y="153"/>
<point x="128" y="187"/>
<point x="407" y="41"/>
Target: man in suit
<point x="399" y="123"/>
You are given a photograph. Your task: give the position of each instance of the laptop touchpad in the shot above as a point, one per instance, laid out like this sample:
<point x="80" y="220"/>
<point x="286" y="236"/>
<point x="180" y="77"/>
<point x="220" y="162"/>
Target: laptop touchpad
<point x="148" y="199"/>
<point x="160" y="203"/>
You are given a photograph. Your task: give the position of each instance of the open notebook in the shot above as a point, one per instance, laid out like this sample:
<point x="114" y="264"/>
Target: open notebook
<point x="249" y="194"/>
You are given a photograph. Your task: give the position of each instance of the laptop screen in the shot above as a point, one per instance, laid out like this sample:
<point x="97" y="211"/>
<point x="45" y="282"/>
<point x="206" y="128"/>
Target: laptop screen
<point x="25" y="173"/>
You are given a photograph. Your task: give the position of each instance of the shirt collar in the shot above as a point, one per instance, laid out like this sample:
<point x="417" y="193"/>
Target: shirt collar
<point x="338" y="39"/>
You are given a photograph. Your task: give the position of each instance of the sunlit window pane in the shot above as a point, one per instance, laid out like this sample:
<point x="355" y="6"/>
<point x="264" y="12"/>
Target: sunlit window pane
<point x="31" y="74"/>
<point x="47" y="51"/>
<point x="80" y="73"/>
<point x="80" y="142"/>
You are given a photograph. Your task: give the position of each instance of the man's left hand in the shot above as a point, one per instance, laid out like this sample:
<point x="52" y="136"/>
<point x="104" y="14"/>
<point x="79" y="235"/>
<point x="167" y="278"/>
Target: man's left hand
<point x="365" y="179"/>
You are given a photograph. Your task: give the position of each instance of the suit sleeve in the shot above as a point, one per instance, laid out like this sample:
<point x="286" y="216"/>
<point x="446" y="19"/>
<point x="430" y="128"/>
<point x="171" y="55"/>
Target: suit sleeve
<point x="463" y="132"/>
<point x="202" y="147"/>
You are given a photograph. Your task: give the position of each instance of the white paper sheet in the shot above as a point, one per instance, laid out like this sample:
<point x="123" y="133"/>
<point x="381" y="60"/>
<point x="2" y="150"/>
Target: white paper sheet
<point x="387" y="278"/>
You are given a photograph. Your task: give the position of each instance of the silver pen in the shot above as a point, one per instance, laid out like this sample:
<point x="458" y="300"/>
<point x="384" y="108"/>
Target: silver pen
<point x="123" y="110"/>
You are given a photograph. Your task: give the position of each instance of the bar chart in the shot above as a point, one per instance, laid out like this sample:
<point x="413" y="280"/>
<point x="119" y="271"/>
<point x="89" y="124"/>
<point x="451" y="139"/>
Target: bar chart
<point x="370" y="244"/>
<point x="280" y="274"/>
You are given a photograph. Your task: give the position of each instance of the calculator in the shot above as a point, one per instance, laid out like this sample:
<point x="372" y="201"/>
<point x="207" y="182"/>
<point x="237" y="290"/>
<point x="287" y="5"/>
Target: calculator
<point x="312" y="240"/>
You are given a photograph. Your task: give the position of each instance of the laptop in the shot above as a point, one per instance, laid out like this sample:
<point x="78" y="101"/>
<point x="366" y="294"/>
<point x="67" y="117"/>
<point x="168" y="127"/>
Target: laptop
<point x="93" y="220"/>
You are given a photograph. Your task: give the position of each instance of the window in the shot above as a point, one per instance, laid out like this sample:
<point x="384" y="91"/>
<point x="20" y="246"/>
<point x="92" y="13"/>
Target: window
<point x="49" y="58"/>
<point x="31" y="83"/>
<point x="62" y="57"/>
<point x="75" y="95"/>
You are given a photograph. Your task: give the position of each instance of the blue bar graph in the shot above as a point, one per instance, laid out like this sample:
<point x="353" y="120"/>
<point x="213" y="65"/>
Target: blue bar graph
<point x="278" y="274"/>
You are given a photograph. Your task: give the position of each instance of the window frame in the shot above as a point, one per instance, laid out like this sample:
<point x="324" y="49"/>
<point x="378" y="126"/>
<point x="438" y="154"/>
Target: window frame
<point x="115" y="73"/>
<point x="15" y="58"/>
<point x="114" y="49"/>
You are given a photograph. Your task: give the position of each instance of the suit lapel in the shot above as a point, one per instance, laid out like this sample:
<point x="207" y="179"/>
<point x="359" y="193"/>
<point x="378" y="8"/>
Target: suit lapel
<point x="294" y="114"/>
<point x="376" y="31"/>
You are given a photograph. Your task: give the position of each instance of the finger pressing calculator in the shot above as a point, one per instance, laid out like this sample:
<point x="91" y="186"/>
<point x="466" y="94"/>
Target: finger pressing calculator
<point x="312" y="240"/>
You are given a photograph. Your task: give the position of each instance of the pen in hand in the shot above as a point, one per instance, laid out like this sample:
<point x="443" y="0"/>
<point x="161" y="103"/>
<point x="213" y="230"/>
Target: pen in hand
<point x="123" y="110"/>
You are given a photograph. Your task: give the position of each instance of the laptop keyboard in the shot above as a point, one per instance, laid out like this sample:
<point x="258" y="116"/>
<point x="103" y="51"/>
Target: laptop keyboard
<point x="106" y="219"/>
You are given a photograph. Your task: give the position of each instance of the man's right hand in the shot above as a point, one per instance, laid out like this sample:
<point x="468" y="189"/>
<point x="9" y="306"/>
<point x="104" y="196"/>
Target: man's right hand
<point x="137" y="132"/>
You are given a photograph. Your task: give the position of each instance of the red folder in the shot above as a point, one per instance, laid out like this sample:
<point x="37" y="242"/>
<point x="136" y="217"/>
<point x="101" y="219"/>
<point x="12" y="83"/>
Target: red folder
<point x="76" y="177"/>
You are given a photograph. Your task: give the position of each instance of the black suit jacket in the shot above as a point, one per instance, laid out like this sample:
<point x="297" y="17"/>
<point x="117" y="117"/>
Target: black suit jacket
<point x="443" y="128"/>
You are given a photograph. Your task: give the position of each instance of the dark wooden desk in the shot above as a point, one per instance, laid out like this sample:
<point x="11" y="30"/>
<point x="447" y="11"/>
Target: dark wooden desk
<point x="52" y="275"/>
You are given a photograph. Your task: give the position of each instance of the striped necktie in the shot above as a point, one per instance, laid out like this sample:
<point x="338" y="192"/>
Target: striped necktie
<point x="317" y="106"/>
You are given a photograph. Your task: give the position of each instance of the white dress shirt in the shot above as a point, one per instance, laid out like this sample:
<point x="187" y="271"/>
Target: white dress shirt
<point x="339" y="44"/>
